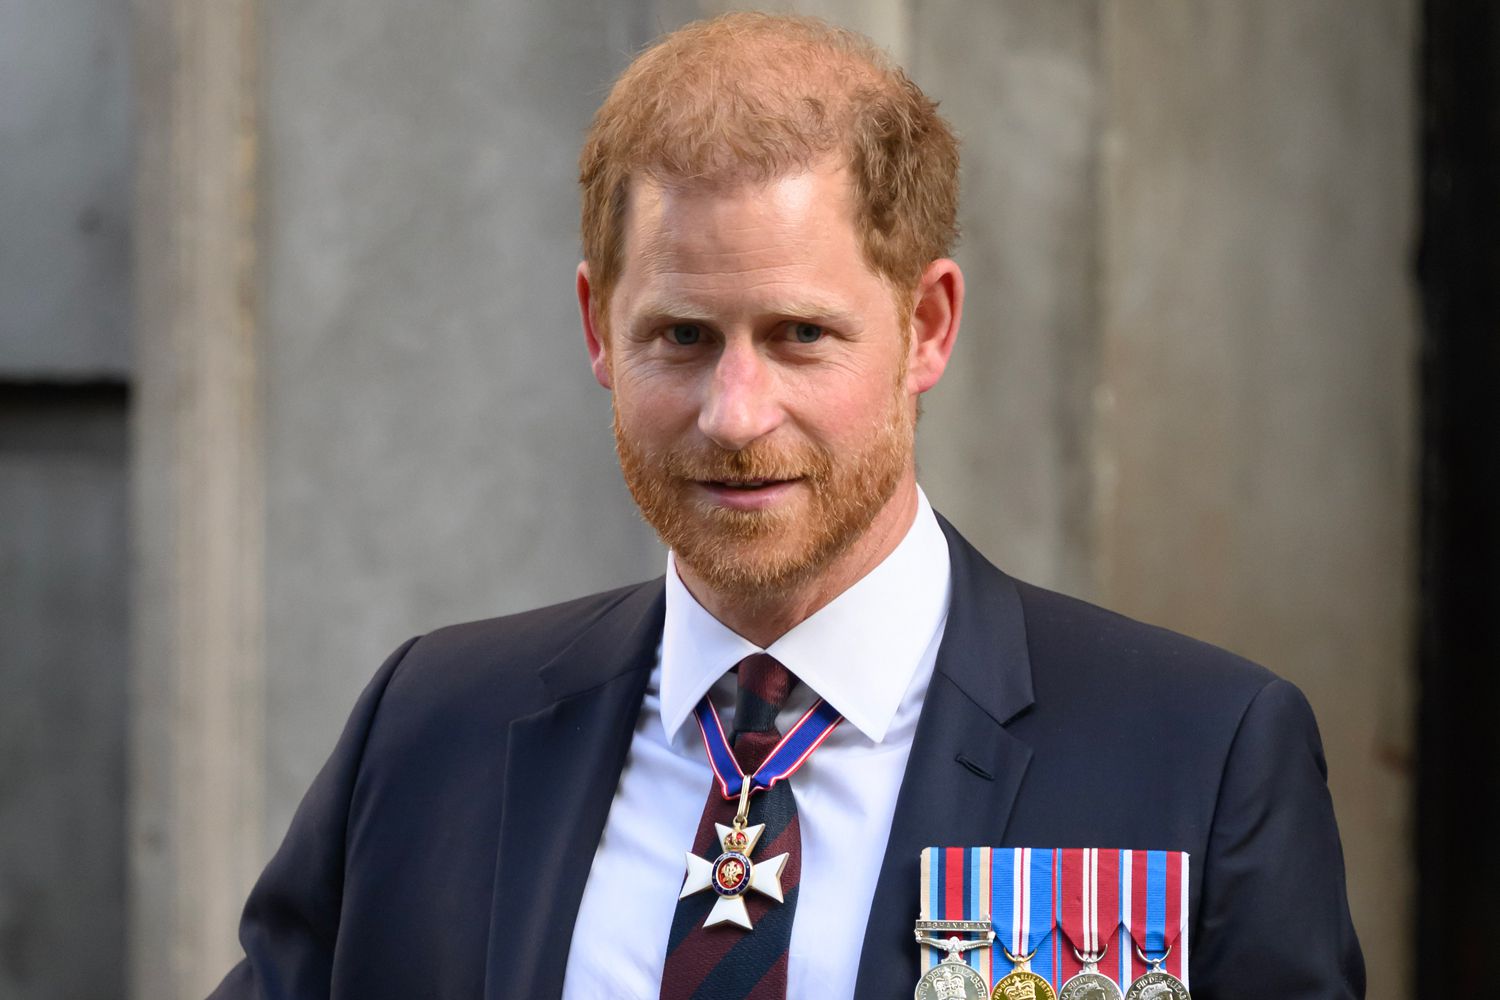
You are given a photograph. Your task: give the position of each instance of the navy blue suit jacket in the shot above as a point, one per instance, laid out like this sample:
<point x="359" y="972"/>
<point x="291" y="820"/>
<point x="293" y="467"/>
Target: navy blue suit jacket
<point x="443" y="849"/>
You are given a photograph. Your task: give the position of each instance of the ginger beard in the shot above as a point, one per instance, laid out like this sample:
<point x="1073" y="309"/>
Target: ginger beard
<point x="755" y="555"/>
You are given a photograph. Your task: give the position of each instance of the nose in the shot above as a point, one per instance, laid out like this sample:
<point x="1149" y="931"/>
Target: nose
<point x="740" y="405"/>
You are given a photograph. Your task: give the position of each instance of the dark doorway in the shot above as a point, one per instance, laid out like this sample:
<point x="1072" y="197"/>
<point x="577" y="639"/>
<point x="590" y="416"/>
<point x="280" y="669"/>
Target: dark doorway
<point x="1458" y="813"/>
<point x="64" y="658"/>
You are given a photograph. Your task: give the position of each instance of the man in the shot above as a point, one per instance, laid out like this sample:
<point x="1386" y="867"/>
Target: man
<point x="517" y="807"/>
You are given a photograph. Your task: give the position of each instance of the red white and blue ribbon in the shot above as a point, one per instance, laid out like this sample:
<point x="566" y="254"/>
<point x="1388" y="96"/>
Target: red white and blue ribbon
<point x="1024" y="916"/>
<point x="788" y="755"/>
<point x="1154" y="913"/>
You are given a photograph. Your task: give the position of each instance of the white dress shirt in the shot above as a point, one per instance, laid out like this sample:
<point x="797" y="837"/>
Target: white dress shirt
<point x="870" y="654"/>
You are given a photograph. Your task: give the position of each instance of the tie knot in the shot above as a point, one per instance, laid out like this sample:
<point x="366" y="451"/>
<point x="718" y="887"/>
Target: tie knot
<point x="764" y="685"/>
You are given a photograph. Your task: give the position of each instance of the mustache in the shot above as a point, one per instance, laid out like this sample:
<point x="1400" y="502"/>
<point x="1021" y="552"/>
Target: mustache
<point x="755" y="461"/>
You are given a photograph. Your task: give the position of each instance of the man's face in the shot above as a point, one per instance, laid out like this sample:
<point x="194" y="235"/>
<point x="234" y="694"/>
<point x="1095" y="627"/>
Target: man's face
<point x="762" y="413"/>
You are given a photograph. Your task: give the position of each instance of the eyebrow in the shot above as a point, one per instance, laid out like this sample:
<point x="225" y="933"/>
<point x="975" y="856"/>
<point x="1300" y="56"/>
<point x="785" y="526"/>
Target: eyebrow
<point x="810" y="309"/>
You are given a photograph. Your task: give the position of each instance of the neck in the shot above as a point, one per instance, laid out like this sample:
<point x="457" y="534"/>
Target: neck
<point x="766" y="616"/>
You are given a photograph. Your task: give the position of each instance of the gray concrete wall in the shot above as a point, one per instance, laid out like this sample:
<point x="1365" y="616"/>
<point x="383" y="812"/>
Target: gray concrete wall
<point x="1255" y="453"/>
<point x="65" y="217"/>
<point x="1004" y="442"/>
<point x="437" y="449"/>
<point x="65" y="155"/>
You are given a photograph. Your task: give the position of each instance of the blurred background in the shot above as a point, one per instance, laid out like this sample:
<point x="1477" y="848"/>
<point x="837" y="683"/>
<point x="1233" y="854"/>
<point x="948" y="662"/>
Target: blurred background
<point x="290" y="371"/>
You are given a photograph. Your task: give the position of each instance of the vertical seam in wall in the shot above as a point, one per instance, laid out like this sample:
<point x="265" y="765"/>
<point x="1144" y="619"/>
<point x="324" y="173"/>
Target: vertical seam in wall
<point x="1101" y="475"/>
<point x="251" y="697"/>
<point x="198" y="520"/>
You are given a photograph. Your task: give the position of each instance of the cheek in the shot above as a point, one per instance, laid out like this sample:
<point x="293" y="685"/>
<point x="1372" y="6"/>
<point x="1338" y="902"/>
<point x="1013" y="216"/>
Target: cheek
<point x="852" y="410"/>
<point x="653" y="405"/>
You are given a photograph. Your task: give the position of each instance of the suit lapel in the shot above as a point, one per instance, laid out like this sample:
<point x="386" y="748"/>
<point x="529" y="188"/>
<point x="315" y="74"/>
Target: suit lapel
<point x="964" y="770"/>
<point x="563" y="764"/>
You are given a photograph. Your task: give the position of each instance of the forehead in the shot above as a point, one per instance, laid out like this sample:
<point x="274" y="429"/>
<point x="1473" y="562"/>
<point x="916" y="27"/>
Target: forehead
<point x="715" y="215"/>
<point x="792" y="233"/>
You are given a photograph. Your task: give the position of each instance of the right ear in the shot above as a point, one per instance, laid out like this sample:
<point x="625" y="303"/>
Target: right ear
<point x="598" y="351"/>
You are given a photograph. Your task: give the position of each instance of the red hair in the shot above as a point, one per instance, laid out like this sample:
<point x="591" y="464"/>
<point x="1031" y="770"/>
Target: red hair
<point x="749" y="97"/>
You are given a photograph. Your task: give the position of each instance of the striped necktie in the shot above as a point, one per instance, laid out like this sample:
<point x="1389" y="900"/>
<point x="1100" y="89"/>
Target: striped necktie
<point x="725" y="962"/>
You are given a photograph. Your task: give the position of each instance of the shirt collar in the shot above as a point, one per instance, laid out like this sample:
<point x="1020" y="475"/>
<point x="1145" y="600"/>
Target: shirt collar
<point x="858" y="652"/>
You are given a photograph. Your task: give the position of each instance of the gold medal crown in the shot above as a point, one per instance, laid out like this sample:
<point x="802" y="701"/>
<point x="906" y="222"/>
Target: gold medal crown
<point x="1019" y="989"/>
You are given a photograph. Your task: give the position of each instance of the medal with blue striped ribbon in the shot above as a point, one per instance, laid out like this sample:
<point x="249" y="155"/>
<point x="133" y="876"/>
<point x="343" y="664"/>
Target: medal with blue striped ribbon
<point x="1154" y="921"/>
<point x="1023" y="882"/>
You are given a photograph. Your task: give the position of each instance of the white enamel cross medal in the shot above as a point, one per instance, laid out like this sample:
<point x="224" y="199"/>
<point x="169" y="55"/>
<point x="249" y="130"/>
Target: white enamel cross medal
<point x="732" y="874"/>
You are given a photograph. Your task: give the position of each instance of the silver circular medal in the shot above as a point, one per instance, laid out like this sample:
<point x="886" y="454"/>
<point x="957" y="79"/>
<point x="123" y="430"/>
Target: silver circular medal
<point x="1089" y="986"/>
<point x="950" y="980"/>
<point x="1157" y="985"/>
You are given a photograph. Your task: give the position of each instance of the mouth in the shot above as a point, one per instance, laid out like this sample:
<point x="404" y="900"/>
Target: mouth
<point x="747" y="494"/>
<point x="745" y="484"/>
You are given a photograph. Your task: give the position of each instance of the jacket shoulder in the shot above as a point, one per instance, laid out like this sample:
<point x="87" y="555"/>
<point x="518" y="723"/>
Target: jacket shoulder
<point x="495" y="661"/>
<point x="1089" y="643"/>
<point x="533" y="633"/>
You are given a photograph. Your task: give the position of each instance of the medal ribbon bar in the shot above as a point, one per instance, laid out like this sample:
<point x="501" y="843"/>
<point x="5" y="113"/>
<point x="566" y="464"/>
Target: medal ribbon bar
<point x="1137" y="898"/>
<point x="788" y="755"/>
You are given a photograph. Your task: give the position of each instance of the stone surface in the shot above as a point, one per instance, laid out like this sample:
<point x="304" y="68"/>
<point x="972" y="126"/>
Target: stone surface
<point x="65" y="172"/>
<point x="1255" y="447"/>
<point x="65" y="197"/>
<point x="884" y="21"/>
<point x="1004" y="439"/>
<point x="437" y="449"/>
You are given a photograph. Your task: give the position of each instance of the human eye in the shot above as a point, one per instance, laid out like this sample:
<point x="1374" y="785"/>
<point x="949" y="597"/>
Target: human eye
<point x="684" y="334"/>
<point x="806" y="333"/>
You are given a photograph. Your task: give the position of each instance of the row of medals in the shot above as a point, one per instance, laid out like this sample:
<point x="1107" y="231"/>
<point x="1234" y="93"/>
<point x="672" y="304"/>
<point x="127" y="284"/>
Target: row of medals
<point x="955" y="979"/>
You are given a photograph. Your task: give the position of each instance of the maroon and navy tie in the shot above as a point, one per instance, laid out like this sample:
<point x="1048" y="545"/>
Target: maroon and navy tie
<point x="726" y="962"/>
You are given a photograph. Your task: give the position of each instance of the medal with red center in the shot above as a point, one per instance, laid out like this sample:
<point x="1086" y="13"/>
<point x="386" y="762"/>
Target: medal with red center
<point x="732" y="875"/>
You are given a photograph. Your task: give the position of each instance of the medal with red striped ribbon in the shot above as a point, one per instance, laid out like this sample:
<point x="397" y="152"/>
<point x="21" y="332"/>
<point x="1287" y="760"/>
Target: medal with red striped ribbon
<point x="1088" y="912"/>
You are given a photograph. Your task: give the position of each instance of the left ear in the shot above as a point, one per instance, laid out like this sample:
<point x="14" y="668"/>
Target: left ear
<point x="937" y="308"/>
<point x="593" y="336"/>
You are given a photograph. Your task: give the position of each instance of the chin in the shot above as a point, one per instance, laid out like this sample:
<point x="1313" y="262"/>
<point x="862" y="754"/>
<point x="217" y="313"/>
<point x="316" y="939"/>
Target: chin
<point x="760" y="557"/>
<point x="756" y="570"/>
